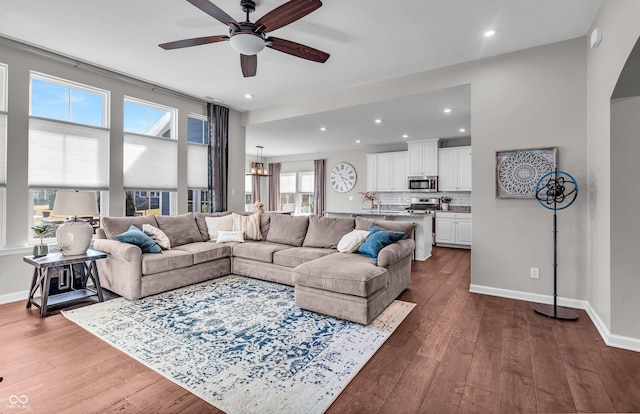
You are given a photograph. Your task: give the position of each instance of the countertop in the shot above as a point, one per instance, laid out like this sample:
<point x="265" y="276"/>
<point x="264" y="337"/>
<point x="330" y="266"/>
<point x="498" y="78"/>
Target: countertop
<point x="401" y="213"/>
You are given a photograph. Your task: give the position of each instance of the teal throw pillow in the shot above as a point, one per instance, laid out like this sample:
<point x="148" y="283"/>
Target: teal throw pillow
<point x="378" y="239"/>
<point x="136" y="236"/>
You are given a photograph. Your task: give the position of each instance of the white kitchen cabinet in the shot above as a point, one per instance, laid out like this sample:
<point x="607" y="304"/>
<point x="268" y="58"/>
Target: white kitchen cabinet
<point x="453" y="229"/>
<point x="387" y="171"/>
<point x="454" y="169"/>
<point x="423" y="158"/>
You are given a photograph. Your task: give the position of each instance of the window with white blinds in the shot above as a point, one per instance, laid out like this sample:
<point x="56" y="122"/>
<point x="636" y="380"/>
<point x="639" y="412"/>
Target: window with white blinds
<point x="3" y="125"/>
<point x="197" y="152"/>
<point x="150" y="158"/>
<point x="150" y="163"/>
<point x="65" y="155"/>
<point x="68" y="135"/>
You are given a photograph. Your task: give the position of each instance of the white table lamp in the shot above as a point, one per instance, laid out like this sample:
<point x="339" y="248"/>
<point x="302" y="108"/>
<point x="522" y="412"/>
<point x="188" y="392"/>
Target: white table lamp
<point x="74" y="235"/>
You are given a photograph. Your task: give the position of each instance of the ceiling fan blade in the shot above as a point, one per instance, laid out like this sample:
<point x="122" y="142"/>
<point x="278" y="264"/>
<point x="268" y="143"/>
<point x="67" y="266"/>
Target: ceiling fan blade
<point x="296" y="49"/>
<point x="214" y="11"/>
<point x="285" y="14"/>
<point x="193" y="42"/>
<point x="249" y="65"/>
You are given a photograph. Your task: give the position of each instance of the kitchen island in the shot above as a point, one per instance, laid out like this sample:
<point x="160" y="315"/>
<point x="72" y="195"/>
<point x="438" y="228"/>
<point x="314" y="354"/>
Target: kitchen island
<point x="423" y="221"/>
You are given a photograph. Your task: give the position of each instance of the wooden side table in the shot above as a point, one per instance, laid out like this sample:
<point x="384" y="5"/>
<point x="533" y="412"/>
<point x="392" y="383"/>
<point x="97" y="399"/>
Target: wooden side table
<point x="42" y="274"/>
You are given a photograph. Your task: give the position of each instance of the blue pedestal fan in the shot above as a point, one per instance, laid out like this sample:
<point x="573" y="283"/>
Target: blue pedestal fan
<point x="556" y="190"/>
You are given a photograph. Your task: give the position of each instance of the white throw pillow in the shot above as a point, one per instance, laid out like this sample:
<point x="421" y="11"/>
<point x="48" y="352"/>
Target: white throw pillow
<point x="218" y="223"/>
<point x="224" y="236"/>
<point x="350" y="242"/>
<point x="250" y="225"/>
<point x="157" y="235"/>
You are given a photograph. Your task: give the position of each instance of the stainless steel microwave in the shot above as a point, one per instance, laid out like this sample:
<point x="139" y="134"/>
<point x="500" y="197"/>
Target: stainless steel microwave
<point x="423" y="184"/>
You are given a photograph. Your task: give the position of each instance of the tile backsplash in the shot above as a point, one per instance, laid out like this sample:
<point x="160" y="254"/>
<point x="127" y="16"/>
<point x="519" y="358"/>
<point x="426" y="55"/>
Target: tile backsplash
<point x="400" y="200"/>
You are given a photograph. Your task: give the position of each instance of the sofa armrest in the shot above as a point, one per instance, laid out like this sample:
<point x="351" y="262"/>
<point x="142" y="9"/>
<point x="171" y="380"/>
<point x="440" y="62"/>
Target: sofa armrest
<point x="121" y="271"/>
<point x="396" y="252"/>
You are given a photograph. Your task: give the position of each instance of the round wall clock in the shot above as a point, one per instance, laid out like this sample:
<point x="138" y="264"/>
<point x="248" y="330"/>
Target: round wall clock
<point x="342" y="177"/>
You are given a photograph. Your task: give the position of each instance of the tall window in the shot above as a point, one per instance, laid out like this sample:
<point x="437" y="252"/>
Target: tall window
<point x="296" y="192"/>
<point x="197" y="162"/>
<point x="248" y="193"/>
<point x="68" y="141"/>
<point x="150" y="157"/>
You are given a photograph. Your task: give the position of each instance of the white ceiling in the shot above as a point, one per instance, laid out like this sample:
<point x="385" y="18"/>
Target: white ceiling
<point x="368" y="41"/>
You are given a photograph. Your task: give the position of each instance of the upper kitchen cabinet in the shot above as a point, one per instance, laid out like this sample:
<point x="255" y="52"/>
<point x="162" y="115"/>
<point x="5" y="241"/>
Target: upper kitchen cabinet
<point x="387" y="171"/>
<point x="454" y="169"/>
<point x="423" y="157"/>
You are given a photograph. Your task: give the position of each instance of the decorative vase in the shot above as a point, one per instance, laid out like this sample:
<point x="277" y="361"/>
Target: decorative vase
<point x="444" y="206"/>
<point x="40" y="250"/>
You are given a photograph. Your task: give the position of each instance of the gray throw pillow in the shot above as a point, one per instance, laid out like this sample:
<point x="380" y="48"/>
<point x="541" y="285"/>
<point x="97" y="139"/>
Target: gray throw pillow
<point x="406" y="227"/>
<point x="327" y="231"/>
<point x="287" y="229"/>
<point x="180" y="229"/>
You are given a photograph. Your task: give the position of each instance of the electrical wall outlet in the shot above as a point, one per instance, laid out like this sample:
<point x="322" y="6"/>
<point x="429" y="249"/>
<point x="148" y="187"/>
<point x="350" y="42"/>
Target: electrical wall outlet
<point x="350" y="198"/>
<point x="535" y="273"/>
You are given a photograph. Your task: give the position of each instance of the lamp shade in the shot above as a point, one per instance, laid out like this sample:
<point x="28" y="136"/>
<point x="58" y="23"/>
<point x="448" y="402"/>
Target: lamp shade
<point x="247" y="43"/>
<point x="74" y="236"/>
<point x="75" y="203"/>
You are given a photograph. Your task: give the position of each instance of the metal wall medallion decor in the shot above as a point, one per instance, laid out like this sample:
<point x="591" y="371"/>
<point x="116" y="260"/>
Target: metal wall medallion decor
<point x="518" y="171"/>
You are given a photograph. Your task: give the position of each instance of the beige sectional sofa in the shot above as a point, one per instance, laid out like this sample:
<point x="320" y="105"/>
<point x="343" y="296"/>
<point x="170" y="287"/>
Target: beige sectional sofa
<point x="299" y="251"/>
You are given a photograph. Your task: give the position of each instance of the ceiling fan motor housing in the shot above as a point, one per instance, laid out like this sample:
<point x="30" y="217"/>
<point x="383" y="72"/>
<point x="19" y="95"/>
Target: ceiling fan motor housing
<point x="248" y="6"/>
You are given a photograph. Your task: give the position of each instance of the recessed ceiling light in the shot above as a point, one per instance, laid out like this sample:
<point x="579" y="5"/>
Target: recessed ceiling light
<point x="462" y="130"/>
<point x="405" y="136"/>
<point x="323" y="128"/>
<point x="378" y="121"/>
<point x="357" y="141"/>
<point x="248" y="95"/>
<point x="489" y="33"/>
<point x="447" y="110"/>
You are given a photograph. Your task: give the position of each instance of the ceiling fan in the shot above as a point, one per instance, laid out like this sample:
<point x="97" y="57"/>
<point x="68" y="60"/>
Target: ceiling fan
<point x="251" y="38"/>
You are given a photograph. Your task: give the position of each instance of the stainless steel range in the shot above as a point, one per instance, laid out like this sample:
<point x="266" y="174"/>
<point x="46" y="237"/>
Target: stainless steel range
<point x="426" y="206"/>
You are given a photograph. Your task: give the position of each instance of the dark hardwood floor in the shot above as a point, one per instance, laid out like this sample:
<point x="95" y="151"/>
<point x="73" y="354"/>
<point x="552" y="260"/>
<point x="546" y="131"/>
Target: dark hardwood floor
<point x="455" y="352"/>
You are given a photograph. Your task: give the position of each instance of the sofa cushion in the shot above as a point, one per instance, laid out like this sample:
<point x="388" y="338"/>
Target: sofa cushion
<point x="138" y="238"/>
<point x="202" y="225"/>
<point x="249" y="225"/>
<point x="167" y="260"/>
<point x="181" y="229"/>
<point x="343" y="273"/>
<point x="327" y="231"/>
<point x="287" y="229"/>
<point x="297" y="255"/>
<point x="378" y="239"/>
<point x="259" y="251"/>
<point x="205" y="252"/>
<point x="113" y="226"/>
<point x="215" y="224"/>
<point x="406" y="227"/>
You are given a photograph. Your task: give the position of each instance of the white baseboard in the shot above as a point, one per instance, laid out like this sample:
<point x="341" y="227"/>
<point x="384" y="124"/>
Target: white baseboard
<point x="617" y="341"/>
<point x="14" y="297"/>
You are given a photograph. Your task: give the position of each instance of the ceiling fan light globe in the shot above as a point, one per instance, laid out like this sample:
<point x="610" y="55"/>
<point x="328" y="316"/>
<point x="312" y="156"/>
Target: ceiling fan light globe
<point x="247" y="43"/>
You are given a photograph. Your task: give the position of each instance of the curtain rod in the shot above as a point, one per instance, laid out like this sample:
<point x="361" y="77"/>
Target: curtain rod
<point x="78" y="63"/>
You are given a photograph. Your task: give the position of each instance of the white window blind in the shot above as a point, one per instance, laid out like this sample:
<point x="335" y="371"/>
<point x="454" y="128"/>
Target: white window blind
<point x="306" y="182"/>
<point x="197" y="166"/>
<point x="65" y="155"/>
<point x="287" y="183"/>
<point x="150" y="163"/>
<point x="3" y="150"/>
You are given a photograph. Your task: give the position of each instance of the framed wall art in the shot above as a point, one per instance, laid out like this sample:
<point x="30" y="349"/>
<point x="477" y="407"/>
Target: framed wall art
<point x="518" y="171"/>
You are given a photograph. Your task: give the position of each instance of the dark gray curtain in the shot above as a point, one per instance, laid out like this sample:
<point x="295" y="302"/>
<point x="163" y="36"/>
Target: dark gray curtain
<point x="218" y="117"/>
<point x="255" y="188"/>
<point x="319" y="189"/>
<point x="274" y="186"/>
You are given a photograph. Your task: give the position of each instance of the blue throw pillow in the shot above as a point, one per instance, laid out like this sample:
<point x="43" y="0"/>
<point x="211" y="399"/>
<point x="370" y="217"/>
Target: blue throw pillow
<point x="136" y="236"/>
<point x="378" y="239"/>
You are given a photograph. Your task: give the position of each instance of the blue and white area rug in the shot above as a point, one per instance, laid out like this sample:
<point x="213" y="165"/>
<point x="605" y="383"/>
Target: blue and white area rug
<point x="241" y="344"/>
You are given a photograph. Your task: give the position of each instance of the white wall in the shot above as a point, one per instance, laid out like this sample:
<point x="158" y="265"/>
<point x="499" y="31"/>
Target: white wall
<point x="14" y="274"/>
<point x="620" y="24"/>
<point x="527" y="99"/>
